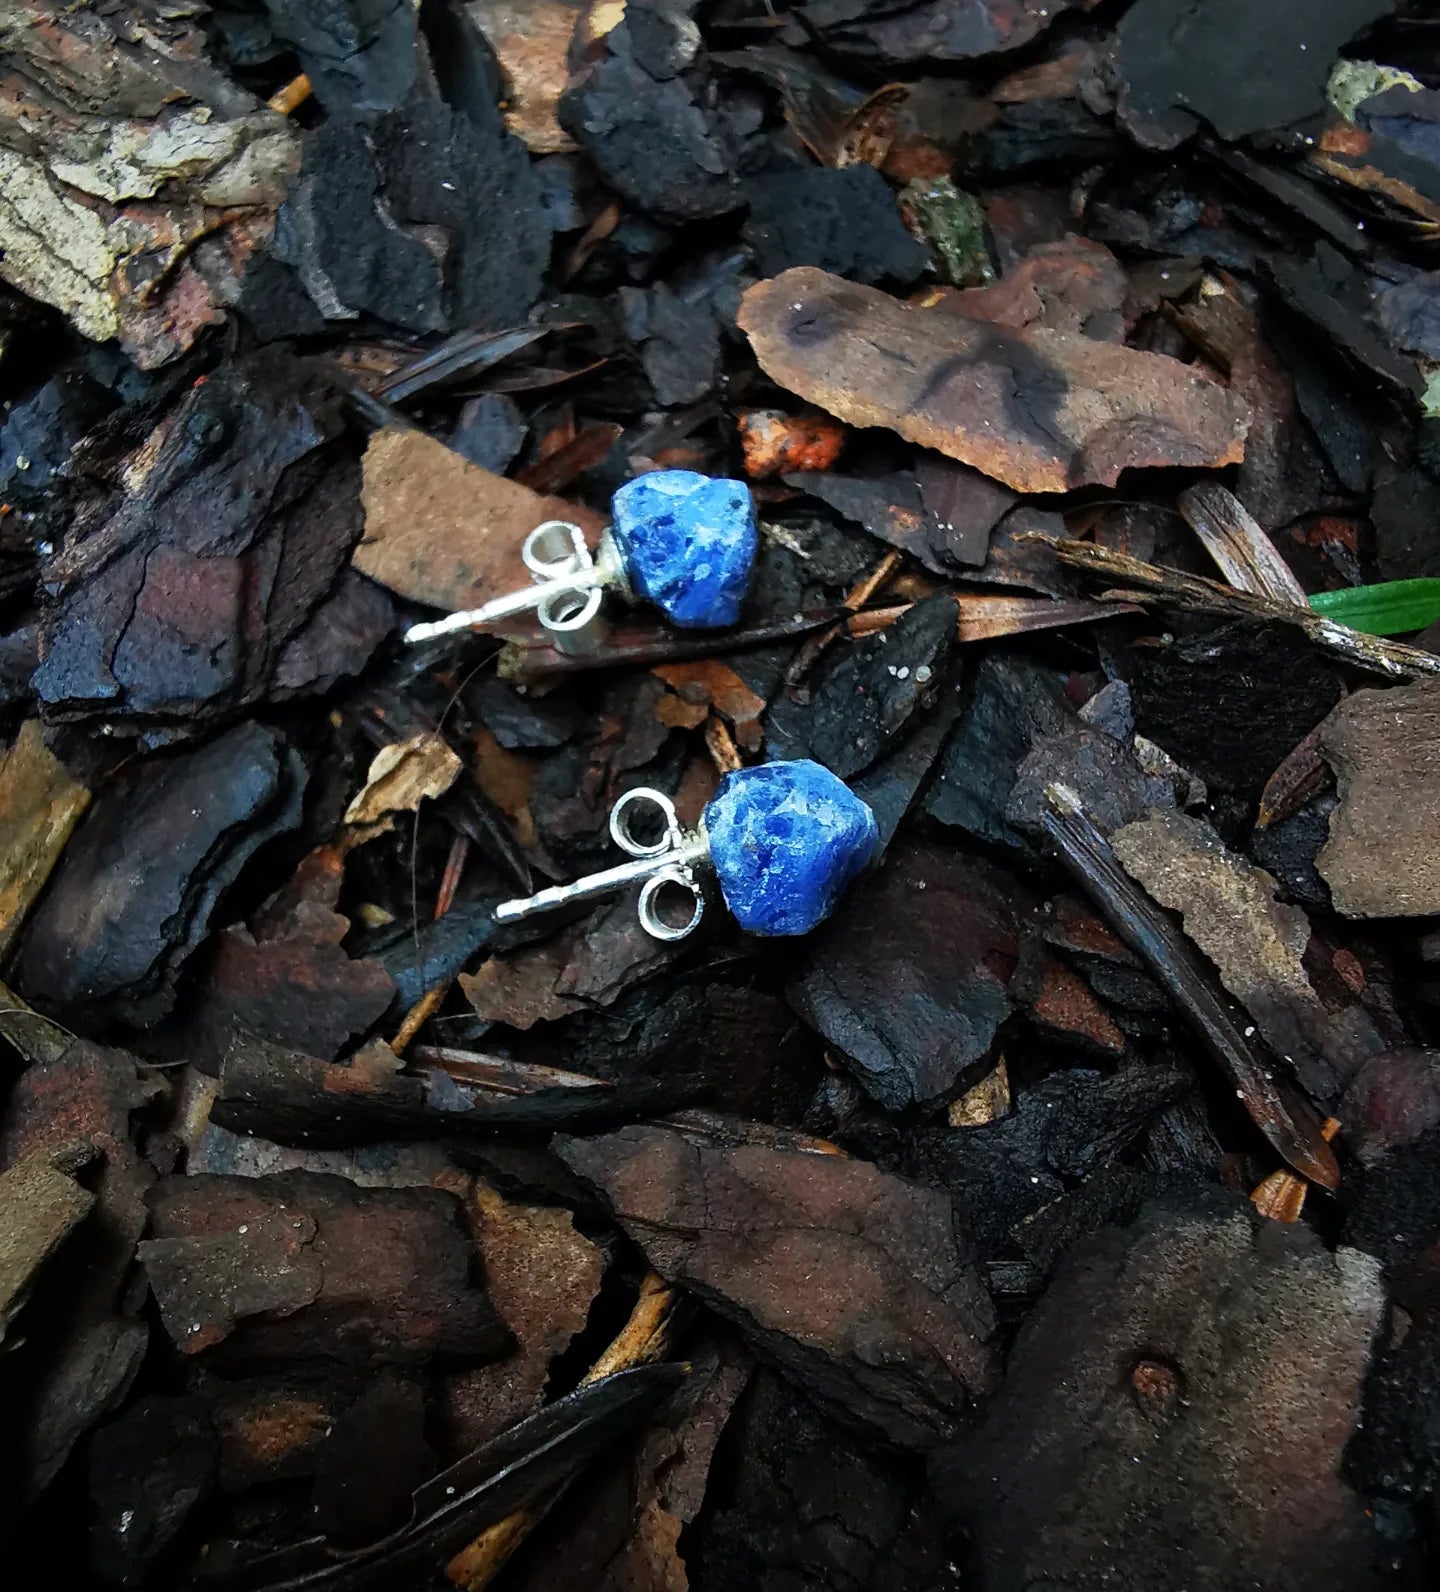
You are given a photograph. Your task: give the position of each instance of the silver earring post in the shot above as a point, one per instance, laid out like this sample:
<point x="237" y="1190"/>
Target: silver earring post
<point x="665" y="867"/>
<point x="567" y="587"/>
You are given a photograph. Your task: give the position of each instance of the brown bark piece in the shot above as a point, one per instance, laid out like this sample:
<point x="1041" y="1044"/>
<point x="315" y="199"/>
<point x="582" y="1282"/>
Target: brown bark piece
<point x="86" y="1351"/>
<point x="531" y="39"/>
<point x="1074" y="285"/>
<point x="1256" y="942"/>
<point x="297" y="986"/>
<point x="1065" y="1005"/>
<point x="1040" y="410"/>
<point x="39" y="807"/>
<point x="39" y="1205"/>
<point x="1383" y="856"/>
<point x="543" y="1277"/>
<point x="591" y="965"/>
<point x="303" y="1265"/>
<point x="1174" y="1414"/>
<point x="441" y="530"/>
<point x="858" y="1285"/>
<point x="522" y="989"/>
<point x="271" y="1428"/>
<point x="1394" y="1099"/>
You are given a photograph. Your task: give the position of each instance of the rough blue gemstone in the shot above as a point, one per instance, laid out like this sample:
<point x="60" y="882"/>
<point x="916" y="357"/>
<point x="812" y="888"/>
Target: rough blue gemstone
<point x="688" y="541"/>
<point x="785" y="839"/>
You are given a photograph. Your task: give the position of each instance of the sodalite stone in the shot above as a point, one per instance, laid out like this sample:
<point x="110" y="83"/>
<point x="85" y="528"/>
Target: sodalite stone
<point x="688" y="542"/>
<point x="785" y="839"/>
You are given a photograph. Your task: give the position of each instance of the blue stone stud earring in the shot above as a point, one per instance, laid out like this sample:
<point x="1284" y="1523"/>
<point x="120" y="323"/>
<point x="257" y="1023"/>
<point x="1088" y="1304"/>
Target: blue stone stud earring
<point x="681" y="540"/>
<point x="783" y="841"/>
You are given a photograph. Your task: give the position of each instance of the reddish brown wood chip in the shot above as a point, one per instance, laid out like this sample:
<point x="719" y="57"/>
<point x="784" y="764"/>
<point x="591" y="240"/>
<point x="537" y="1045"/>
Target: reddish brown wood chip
<point x="1040" y="410"/>
<point x="441" y="530"/>
<point x="860" y="1286"/>
<point x="302" y="1264"/>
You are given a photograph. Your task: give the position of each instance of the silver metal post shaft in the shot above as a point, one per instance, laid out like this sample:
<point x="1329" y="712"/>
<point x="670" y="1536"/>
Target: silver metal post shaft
<point x="515" y="602"/>
<point x="664" y="864"/>
<point x="603" y="883"/>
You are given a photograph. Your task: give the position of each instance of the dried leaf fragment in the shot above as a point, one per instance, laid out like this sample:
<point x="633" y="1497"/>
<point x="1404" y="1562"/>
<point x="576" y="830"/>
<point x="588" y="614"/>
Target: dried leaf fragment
<point x="400" y="777"/>
<point x="1041" y="410"/>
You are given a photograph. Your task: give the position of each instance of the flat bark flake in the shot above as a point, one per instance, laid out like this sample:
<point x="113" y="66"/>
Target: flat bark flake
<point x="1040" y="410"/>
<point x="859" y="1286"/>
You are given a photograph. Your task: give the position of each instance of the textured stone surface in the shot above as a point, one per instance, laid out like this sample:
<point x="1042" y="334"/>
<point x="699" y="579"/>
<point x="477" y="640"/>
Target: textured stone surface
<point x="786" y="838"/>
<point x="688" y="541"/>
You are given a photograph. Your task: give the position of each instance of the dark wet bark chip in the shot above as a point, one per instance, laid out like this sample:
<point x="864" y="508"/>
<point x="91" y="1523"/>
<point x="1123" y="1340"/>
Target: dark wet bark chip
<point x="133" y="896"/>
<point x="942" y="30"/>
<point x="1175" y="61"/>
<point x="655" y="139"/>
<point x="1011" y="700"/>
<point x="1113" y="1455"/>
<point x="1063" y="1130"/>
<point x="858" y="1286"/>
<point x="910" y="984"/>
<point x="149" y="1471"/>
<point x="843" y="220"/>
<point x="303" y="1265"/>
<point x="1229" y="703"/>
<point x="867" y="699"/>
<point x="185" y="597"/>
<point x="796" y="1476"/>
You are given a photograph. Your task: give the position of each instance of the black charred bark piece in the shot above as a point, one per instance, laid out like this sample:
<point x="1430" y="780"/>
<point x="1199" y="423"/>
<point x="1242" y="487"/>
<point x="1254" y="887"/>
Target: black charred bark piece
<point x="280" y="1094"/>
<point x="842" y="219"/>
<point x="148" y="1472"/>
<point x="864" y="703"/>
<point x="910" y="983"/>
<point x="646" y="115"/>
<point x="808" y="1507"/>
<point x="1176" y="63"/>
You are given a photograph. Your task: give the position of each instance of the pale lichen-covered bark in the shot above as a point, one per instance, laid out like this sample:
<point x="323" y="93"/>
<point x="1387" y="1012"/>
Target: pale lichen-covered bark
<point x="121" y="149"/>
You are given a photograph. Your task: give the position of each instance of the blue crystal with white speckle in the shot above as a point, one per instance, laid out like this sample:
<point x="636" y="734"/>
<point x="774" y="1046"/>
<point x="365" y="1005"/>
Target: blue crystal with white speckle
<point x="688" y="542"/>
<point x="785" y="840"/>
